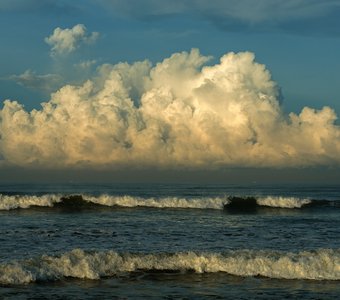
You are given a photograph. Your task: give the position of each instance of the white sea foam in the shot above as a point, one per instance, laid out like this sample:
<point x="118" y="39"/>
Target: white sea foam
<point x="322" y="264"/>
<point x="26" y="201"/>
<point x="166" y="202"/>
<point x="283" y="202"/>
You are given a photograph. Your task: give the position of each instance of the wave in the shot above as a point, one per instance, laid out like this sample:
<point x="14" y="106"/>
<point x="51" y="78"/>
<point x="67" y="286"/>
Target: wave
<point x="231" y="203"/>
<point x="14" y="202"/>
<point x="283" y="202"/>
<point x="26" y="201"/>
<point x="166" y="202"/>
<point x="252" y="203"/>
<point x="322" y="264"/>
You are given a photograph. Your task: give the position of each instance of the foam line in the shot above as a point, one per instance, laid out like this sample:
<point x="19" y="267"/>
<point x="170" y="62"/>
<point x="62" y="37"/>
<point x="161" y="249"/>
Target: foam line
<point x="283" y="202"/>
<point x="322" y="264"/>
<point x="242" y="203"/>
<point x="26" y="201"/>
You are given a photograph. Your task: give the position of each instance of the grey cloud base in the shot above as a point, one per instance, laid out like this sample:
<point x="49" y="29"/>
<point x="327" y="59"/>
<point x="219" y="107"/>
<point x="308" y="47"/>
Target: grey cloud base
<point x="176" y="114"/>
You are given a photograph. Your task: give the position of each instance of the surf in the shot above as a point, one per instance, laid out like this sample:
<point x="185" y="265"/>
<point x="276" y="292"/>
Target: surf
<point x="321" y="264"/>
<point x="227" y="203"/>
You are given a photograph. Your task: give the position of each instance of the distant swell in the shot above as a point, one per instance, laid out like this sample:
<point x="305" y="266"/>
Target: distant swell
<point x="322" y="264"/>
<point x="231" y="203"/>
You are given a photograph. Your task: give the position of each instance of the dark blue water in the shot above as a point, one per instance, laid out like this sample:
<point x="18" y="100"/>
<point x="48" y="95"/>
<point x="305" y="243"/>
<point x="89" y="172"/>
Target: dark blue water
<point x="189" y="241"/>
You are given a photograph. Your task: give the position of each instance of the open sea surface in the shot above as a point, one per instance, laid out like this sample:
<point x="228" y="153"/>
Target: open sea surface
<point x="128" y="241"/>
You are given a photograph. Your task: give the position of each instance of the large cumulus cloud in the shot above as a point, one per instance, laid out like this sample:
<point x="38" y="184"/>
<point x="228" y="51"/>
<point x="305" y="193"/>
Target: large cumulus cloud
<point x="179" y="113"/>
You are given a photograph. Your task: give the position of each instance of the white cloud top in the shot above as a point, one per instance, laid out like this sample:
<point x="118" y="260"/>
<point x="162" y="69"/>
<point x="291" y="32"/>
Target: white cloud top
<point x="176" y="114"/>
<point x="64" y="41"/>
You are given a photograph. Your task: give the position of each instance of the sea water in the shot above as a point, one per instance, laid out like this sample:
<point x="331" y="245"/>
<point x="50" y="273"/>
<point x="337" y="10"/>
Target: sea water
<point x="169" y="241"/>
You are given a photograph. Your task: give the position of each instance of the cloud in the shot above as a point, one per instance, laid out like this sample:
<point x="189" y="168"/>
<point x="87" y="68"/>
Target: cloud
<point x="293" y="16"/>
<point x="179" y="113"/>
<point x="65" y="41"/>
<point x="45" y="83"/>
<point x="86" y="64"/>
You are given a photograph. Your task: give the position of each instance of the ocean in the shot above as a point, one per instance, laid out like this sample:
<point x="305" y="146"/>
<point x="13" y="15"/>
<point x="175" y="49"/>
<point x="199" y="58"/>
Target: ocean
<point x="183" y="241"/>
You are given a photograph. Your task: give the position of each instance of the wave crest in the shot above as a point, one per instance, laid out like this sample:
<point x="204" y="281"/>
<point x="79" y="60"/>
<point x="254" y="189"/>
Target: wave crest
<point x="9" y="202"/>
<point x="26" y="201"/>
<point x="166" y="202"/>
<point x="283" y="202"/>
<point x="322" y="264"/>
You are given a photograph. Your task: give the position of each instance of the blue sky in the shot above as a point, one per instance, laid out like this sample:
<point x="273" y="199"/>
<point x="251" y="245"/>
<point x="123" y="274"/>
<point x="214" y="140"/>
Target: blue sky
<point x="298" y="41"/>
<point x="178" y="108"/>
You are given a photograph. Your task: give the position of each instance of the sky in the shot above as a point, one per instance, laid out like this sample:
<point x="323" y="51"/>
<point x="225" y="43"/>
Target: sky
<point x="170" y="87"/>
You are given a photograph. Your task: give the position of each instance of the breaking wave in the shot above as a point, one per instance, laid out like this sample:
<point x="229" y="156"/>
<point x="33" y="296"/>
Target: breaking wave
<point x="253" y="203"/>
<point x="231" y="203"/>
<point x="283" y="202"/>
<point x="322" y="264"/>
<point x="26" y="201"/>
<point x="14" y="202"/>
